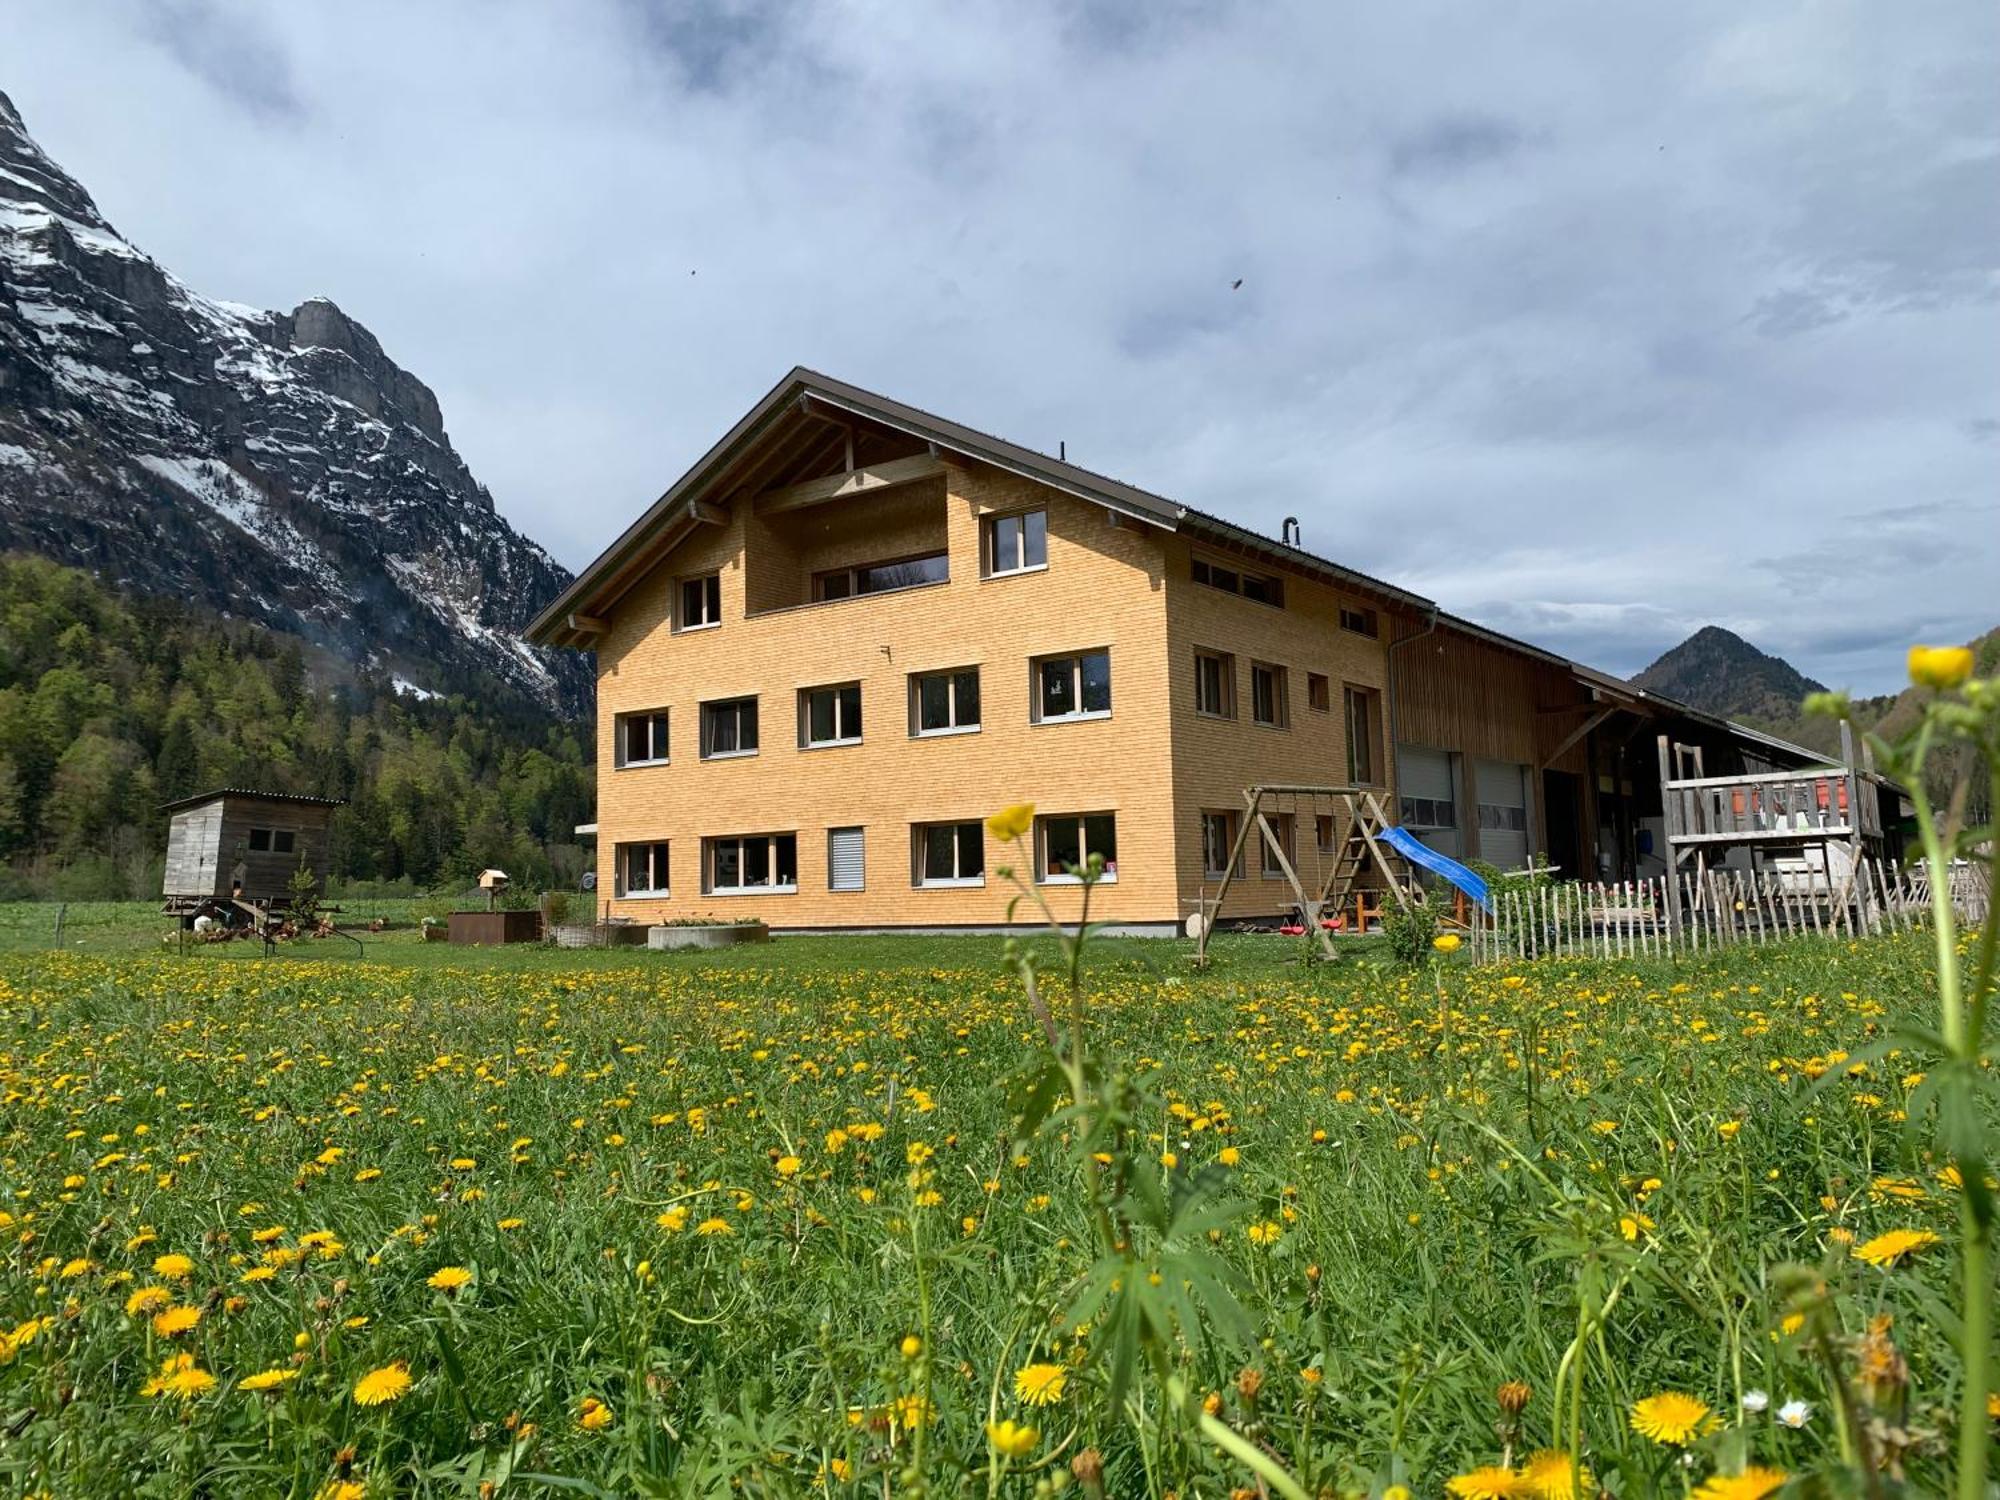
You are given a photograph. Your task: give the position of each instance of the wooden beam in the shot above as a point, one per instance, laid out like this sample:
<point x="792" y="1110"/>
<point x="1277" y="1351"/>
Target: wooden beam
<point x="712" y="515"/>
<point x="588" y="624"/>
<point x="852" y="482"/>
<point x="1578" y="733"/>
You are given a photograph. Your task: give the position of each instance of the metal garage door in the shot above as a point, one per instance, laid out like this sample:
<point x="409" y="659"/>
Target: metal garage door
<point x="1502" y="789"/>
<point x="1427" y="797"/>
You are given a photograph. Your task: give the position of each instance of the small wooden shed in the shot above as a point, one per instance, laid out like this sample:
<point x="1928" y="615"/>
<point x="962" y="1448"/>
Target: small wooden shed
<point x="244" y="845"/>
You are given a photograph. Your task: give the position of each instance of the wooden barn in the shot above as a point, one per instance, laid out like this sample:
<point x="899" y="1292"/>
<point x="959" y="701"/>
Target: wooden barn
<point x="244" y="846"/>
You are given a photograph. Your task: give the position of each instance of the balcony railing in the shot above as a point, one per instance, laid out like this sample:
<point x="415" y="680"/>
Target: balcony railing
<point x="1772" y="807"/>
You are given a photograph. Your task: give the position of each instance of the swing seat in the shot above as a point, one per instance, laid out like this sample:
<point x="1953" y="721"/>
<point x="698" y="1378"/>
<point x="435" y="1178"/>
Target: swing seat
<point x="1293" y="929"/>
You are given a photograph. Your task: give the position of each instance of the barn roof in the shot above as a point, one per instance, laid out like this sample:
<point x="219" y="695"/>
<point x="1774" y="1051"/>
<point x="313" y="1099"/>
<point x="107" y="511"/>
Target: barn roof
<point x="251" y="794"/>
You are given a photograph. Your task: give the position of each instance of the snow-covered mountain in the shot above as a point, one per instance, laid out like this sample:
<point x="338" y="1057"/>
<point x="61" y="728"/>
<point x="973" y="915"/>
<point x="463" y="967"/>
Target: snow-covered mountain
<point x="275" y="466"/>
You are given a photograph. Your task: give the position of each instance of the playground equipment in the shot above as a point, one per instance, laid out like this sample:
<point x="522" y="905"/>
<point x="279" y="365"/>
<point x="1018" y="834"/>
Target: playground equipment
<point x="1366" y="840"/>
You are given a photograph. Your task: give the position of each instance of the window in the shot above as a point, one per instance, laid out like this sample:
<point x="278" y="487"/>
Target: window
<point x="761" y="862"/>
<point x="1323" y="832"/>
<point x="642" y="869"/>
<point x="1218" y="838"/>
<point x="701" y="602"/>
<point x="728" y="728"/>
<point x="1360" y="621"/>
<point x="1017" y="544"/>
<point x="1069" y="839"/>
<point x="944" y="702"/>
<point x="949" y="854"/>
<point x="1318" y="694"/>
<point x="844" y="862"/>
<point x="642" y="738"/>
<point x="271" y="841"/>
<point x="1506" y="815"/>
<point x="830" y="716"/>
<point x="1270" y="692"/>
<point x="1265" y="588"/>
<point x="1072" y="687"/>
<point x="1215" y="684"/>
<point x="1430" y="813"/>
<point x="1286" y="826"/>
<point x="1362" y="716"/>
<point x="881" y="577"/>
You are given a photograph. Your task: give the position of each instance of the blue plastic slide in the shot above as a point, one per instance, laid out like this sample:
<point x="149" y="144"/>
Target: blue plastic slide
<point x="1418" y="853"/>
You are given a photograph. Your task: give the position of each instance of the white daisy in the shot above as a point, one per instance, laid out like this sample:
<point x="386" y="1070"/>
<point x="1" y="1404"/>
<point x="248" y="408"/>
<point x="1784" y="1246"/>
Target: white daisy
<point x="1756" y="1402"/>
<point x="1795" y="1413"/>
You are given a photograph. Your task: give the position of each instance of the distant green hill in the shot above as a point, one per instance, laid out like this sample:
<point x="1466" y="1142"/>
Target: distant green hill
<point x="111" y="705"/>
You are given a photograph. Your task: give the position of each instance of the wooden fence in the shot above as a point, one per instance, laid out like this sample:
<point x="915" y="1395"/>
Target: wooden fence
<point x="1692" y="912"/>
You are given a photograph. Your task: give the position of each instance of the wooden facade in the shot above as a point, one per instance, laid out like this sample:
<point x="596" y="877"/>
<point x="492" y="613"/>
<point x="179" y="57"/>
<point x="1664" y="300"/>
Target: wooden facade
<point x="245" y="845"/>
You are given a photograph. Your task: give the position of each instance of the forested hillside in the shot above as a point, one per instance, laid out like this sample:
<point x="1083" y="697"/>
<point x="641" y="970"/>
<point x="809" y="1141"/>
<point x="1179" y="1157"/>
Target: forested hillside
<point x="111" y="705"/>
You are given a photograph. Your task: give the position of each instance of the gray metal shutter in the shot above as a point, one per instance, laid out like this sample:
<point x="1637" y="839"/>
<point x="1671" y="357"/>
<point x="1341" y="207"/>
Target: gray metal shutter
<point x="844" y="869"/>
<point x="1502" y="788"/>
<point x="1424" y="777"/>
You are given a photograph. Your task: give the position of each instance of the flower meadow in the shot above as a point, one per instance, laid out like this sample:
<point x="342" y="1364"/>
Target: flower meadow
<point x="324" y="1229"/>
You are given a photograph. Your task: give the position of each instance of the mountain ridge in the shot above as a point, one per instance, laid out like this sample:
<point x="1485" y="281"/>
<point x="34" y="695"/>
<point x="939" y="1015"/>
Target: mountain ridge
<point x="1716" y="670"/>
<point x="276" y="466"/>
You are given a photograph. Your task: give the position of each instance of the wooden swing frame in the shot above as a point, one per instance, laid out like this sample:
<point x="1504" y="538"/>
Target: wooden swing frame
<point x="1364" y="818"/>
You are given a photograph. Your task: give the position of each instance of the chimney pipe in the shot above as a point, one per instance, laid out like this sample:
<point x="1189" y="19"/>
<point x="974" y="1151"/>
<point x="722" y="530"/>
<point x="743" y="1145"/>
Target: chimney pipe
<point x="1289" y="532"/>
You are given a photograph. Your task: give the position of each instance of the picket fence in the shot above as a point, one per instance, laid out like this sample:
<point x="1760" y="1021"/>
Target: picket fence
<point x="1692" y="912"/>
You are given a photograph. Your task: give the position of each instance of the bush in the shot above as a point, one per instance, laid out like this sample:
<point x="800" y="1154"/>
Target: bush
<point x="1409" y="930"/>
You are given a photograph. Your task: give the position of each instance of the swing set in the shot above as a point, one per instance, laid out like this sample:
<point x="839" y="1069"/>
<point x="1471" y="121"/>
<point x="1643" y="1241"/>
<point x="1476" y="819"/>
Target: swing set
<point x="1334" y="876"/>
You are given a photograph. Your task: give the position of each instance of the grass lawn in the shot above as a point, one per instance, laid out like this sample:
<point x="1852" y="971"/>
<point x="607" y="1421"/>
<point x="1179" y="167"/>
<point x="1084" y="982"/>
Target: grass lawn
<point x="756" y="1222"/>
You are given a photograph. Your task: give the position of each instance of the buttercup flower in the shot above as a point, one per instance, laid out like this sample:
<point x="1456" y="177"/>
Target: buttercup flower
<point x="1011" y="823"/>
<point x="1446" y="942"/>
<point x="1010" y="1439"/>
<point x="1940" y="668"/>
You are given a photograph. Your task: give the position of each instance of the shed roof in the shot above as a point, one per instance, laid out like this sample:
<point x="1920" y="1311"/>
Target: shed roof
<point x="251" y="794"/>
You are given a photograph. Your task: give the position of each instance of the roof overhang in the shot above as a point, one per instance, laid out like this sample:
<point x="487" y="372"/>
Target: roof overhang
<point x="580" y="614"/>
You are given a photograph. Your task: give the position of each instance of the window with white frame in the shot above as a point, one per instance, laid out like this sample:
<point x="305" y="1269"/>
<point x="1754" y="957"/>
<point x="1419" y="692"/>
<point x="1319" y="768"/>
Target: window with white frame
<point x="1215" y="684"/>
<point x="1218" y="840"/>
<point x="752" y="862"/>
<point x="642" y="869"/>
<point x="642" y="738"/>
<point x="1016" y="544"/>
<point x="944" y="702"/>
<point x="846" y="864"/>
<point x="1072" y="687"/>
<point x="946" y="854"/>
<point x="1270" y="695"/>
<point x="1068" y="840"/>
<point x="830" y="715"/>
<point x="728" y="727"/>
<point x="701" y="602"/>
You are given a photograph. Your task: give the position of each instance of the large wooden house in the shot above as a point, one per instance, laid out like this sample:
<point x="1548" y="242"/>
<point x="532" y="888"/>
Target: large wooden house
<point x="854" y="628"/>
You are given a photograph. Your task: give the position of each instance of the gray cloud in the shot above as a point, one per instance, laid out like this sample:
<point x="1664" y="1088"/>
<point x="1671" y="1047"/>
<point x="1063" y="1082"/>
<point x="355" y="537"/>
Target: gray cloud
<point x="1597" y="325"/>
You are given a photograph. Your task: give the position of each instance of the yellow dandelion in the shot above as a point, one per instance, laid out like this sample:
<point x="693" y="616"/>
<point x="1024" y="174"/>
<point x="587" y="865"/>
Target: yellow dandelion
<point x="1266" y="1233"/>
<point x="1547" y="1475"/>
<point x="1897" y="1245"/>
<point x="713" y="1226"/>
<point x="147" y="1300"/>
<point x="1446" y="942"/>
<point x="1670" y="1417"/>
<point x="448" y="1278"/>
<point x="592" y="1415"/>
<point x="175" y="1320"/>
<point x="1488" y="1483"/>
<point x="267" y="1380"/>
<point x="379" y="1387"/>
<point x="1040" y="1384"/>
<point x="173" y="1267"/>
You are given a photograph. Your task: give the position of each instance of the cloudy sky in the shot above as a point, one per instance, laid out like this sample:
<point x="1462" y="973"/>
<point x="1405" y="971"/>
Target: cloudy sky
<point x="1594" y="322"/>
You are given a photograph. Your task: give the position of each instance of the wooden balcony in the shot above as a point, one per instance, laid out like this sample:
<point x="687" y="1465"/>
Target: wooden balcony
<point x="1773" y="808"/>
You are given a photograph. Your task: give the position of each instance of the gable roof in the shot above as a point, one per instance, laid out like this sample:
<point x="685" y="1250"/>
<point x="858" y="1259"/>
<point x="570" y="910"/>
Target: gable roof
<point x="250" y="794"/>
<point x="656" y="527"/>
